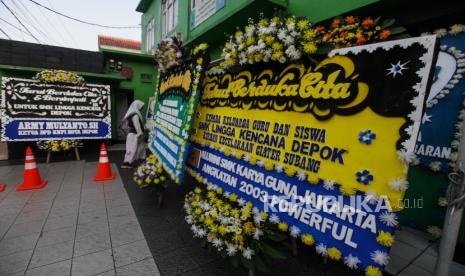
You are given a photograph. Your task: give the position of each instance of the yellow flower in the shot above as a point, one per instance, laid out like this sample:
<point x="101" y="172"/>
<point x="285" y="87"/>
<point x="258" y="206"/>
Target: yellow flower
<point x="277" y="55"/>
<point x="249" y="205"/>
<point x="208" y="221"/>
<point x="269" y="165"/>
<point x="334" y="253"/>
<point x="282" y="226"/>
<point x="290" y="20"/>
<point x="219" y="191"/>
<point x="263" y="23"/>
<point x="308" y="239"/>
<point x="385" y="239"/>
<point x="290" y="171"/>
<point x="222" y="230"/>
<point x="309" y="35"/>
<point x="248" y="228"/>
<point x="198" y="211"/>
<point x="277" y="46"/>
<point x="302" y="24"/>
<point x="233" y="198"/>
<point x="239" y="34"/>
<point x="250" y="41"/>
<point x="310" y="48"/>
<point x="245" y="213"/>
<point x="269" y="39"/>
<point x="214" y="214"/>
<point x="235" y="212"/>
<point x="372" y="271"/>
<point x="275" y="20"/>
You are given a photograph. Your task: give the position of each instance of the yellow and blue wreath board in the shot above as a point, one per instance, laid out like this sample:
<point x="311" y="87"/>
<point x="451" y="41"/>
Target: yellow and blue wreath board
<point x="324" y="147"/>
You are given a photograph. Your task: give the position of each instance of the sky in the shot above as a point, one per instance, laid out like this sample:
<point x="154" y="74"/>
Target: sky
<point x="52" y="29"/>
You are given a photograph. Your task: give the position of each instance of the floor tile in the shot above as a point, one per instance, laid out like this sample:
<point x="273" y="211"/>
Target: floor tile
<point x="18" y="244"/>
<point x="55" y="269"/>
<point x="145" y="267"/>
<point x="56" y="236"/>
<point x="23" y="229"/>
<point x="91" y="244"/>
<point x="92" y="264"/>
<point x="15" y="262"/>
<point x="130" y="253"/>
<point x="51" y="254"/>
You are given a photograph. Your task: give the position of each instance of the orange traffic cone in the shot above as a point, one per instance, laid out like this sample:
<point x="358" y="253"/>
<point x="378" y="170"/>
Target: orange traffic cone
<point x="2" y="187"/>
<point x="32" y="178"/>
<point x="104" y="170"/>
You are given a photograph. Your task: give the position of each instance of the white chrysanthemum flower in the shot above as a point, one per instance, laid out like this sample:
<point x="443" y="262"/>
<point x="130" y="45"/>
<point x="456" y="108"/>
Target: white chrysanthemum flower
<point x="231" y="250"/>
<point x="218" y="243"/>
<point x="194" y="228"/>
<point x="453" y="156"/>
<point x="380" y="257"/>
<point x="435" y="166"/>
<point x="282" y="34"/>
<point x="248" y="253"/>
<point x="322" y="250"/>
<point x="442" y="201"/>
<point x="241" y="202"/>
<point x="257" y="219"/>
<point x="189" y="219"/>
<point x="456" y="29"/>
<point x="435" y="231"/>
<point x="388" y="218"/>
<point x="406" y="157"/>
<point x="214" y="187"/>
<point x="211" y="146"/>
<point x="261" y="162"/>
<point x="301" y="175"/>
<point x="399" y="184"/>
<point x="440" y="32"/>
<point x="352" y="261"/>
<point x="329" y="184"/>
<point x="246" y="158"/>
<point x="233" y="153"/>
<point x="294" y="231"/>
<point x="279" y="168"/>
<point x="372" y="197"/>
<point x="227" y="194"/>
<point x="257" y="233"/>
<point x="201" y="232"/>
<point x="274" y="219"/>
<point x="222" y="149"/>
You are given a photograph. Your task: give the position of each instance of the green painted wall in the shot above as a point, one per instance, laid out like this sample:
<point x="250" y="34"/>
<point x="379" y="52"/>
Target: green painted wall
<point x="318" y="10"/>
<point x="153" y="12"/>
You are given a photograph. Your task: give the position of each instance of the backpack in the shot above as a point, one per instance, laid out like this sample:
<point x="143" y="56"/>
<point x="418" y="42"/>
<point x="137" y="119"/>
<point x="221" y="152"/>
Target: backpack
<point x="124" y="127"/>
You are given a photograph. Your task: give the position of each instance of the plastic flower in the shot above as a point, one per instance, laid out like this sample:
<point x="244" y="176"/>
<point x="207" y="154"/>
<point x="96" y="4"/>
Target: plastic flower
<point x="282" y="226"/>
<point x="398" y="184"/>
<point x="294" y="231"/>
<point x="334" y="253"/>
<point x="434" y="231"/>
<point x="384" y="34"/>
<point x="372" y="271"/>
<point x="352" y="261"/>
<point x="329" y="184"/>
<point x="308" y="239"/>
<point x="231" y="250"/>
<point x="385" y="239"/>
<point x="350" y="19"/>
<point x="321" y="249"/>
<point x="248" y="253"/>
<point x="367" y="23"/>
<point x="442" y="201"/>
<point x="380" y="257"/>
<point x="366" y="137"/>
<point x="364" y="177"/>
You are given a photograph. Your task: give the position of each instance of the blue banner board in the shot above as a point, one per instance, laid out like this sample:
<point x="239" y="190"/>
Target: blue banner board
<point x="439" y="133"/>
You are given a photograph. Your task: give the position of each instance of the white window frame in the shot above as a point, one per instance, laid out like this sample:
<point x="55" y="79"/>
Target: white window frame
<point x="169" y="15"/>
<point x="150" y="35"/>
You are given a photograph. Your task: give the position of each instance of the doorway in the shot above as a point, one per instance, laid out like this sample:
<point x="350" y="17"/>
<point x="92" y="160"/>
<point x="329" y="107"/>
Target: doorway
<point x="122" y="101"/>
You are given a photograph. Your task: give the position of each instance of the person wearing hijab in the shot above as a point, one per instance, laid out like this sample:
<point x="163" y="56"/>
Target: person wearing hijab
<point x="135" y="145"/>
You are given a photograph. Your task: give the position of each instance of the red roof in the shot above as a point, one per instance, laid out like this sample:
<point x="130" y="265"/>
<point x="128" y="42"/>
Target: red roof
<point x="124" y="43"/>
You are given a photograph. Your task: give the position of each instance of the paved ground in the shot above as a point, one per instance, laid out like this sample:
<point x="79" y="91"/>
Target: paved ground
<point x="77" y="227"/>
<point x="73" y="226"/>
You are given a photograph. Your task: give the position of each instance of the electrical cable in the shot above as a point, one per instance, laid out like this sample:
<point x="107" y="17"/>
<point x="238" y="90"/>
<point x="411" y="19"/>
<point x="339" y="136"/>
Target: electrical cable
<point x="1" y="30"/>
<point x="82" y="21"/>
<point x="70" y="35"/>
<point x="21" y="23"/>
<point x="29" y="18"/>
